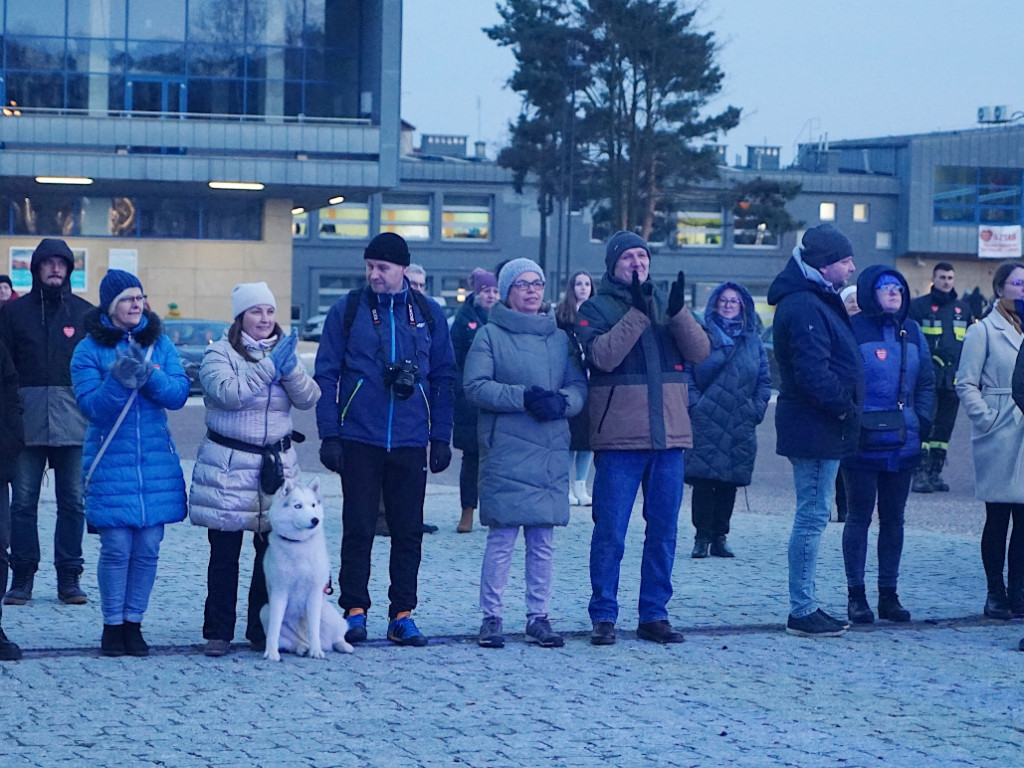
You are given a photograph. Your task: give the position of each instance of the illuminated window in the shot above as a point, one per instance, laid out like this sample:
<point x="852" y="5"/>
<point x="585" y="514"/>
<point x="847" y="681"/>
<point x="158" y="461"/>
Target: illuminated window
<point x="860" y="211"/>
<point x="827" y="211"/>
<point x="300" y="224"/>
<point x="408" y="216"/>
<point x="466" y="217"/>
<point x="345" y="220"/>
<point x="699" y="229"/>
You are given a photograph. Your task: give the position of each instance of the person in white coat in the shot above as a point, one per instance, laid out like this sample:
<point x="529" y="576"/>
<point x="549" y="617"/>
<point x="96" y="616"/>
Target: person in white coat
<point x="984" y="381"/>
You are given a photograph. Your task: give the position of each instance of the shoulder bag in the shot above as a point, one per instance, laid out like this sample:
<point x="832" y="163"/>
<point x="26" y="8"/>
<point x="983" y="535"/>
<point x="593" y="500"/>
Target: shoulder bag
<point x="887" y="430"/>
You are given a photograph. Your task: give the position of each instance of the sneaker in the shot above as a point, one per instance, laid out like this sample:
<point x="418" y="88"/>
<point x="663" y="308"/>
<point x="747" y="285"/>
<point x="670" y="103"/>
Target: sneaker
<point x="539" y="631"/>
<point x="8" y="650"/>
<point x="841" y="623"/>
<point x="490" y="633"/>
<point x="217" y="648"/>
<point x="603" y="633"/>
<point x="404" y="631"/>
<point x="659" y="632"/>
<point x="817" y="624"/>
<point x="356" y="628"/>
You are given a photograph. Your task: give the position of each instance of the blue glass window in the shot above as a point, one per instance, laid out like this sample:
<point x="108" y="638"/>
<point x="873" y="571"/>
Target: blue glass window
<point x="972" y="196"/>
<point x="156" y="20"/>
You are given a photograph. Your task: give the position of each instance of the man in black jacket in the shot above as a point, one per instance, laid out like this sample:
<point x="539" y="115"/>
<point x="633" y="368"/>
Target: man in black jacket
<point x="944" y="318"/>
<point x="41" y="330"/>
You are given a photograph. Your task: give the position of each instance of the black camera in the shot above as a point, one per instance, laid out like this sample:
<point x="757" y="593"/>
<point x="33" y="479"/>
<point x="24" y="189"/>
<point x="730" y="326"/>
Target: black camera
<point x="401" y="378"/>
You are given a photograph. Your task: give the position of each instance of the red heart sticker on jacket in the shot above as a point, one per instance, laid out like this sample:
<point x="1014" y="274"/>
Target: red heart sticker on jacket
<point x="69" y="331"/>
<point x="472" y="326"/>
<point x="881" y="354"/>
<point x="679" y="367"/>
<point x="584" y="323"/>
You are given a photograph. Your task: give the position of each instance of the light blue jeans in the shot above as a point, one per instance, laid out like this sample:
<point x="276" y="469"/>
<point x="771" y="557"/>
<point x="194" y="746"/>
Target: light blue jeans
<point x="498" y="560"/>
<point x="126" y="571"/>
<point x="815" y="481"/>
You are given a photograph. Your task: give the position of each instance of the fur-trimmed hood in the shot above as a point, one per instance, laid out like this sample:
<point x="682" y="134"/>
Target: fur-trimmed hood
<point x="97" y="324"/>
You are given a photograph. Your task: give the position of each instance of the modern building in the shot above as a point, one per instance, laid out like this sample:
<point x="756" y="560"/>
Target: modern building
<point x="174" y="137"/>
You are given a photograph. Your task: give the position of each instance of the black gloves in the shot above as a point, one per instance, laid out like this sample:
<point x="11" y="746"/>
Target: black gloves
<point x="677" y="295"/>
<point x="543" y="404"/>
<point x="332" y="455"/>
<point x="131" y="370"/>
<point x="636" y="292"/>
<point x="440" y="456"/>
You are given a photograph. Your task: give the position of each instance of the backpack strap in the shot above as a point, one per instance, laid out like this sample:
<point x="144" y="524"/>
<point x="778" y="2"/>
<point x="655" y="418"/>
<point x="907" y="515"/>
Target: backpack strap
<point x="352" y="306"/>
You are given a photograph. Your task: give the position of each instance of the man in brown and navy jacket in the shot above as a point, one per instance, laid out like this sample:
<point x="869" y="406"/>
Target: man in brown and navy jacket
<point x="636" y="345"/>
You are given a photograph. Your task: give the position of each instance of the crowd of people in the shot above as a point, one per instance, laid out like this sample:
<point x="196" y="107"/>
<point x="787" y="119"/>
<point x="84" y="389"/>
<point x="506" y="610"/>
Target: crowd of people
<point x="619" y="379"/>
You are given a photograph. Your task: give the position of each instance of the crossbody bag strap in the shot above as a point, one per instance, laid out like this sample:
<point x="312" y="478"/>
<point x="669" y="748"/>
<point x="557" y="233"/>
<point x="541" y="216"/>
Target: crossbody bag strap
<point x="903" y="368"/>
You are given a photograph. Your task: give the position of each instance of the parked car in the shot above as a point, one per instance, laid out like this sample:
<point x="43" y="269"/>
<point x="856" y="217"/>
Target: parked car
<point x="192" y="337"/>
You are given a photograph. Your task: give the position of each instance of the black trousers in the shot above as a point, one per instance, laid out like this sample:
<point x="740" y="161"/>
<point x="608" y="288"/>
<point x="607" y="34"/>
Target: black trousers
<point x="711" y="507"/>
<point x="993" y="543"/>
<point x="401" y="476"/>
<point x="222" y="587"/>
<point x="946" y="405"/>
<point x="469" y="479"/>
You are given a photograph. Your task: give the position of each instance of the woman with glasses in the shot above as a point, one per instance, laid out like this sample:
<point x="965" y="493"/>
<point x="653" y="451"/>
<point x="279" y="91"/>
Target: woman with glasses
<point x="579" y="288"/>
<point x="126" y="374"/>
<point x="728" y="393"/>
<point x="522" y="377"/>
<point x="899" y="378"/>
<point x="984" y="385"/>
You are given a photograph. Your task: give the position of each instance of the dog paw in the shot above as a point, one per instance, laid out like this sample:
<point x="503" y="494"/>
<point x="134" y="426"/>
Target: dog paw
<point x="301" y="650"/>
<point x="343" y="647"/>
<point x="317" y="654"/>
<point x="272" y="654"/>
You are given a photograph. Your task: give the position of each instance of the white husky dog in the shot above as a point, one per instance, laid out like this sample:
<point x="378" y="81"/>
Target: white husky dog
<point x="298" y="617"/>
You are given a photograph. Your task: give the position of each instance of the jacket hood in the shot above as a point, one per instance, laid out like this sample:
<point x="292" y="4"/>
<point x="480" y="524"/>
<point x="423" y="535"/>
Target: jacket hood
<point x="519" y="322"/>
<point x="866" y="292"/>
<point x="107" y="335"/>
<point x="47" y="248"/>
<point x="751" y="321"/>
<point x="792" y="279"/>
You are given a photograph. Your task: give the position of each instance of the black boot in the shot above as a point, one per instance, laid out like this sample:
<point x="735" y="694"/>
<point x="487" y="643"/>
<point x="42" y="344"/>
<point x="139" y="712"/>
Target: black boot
<point x="134" y="645"/>
<point x="719" y="548"/>
<point x="21" y="588"/>
<point x="8" y="651"/>
<point x="112" y="642"/>
<point x="701" y="545"/>
<point x="922" y="475"/>
<point x="997" y="606"/>
<point x="857" y="608"/>
<point x="889" y="607"/>
<point x="68" y="590"/>
<point x="937" y="459"/>
<point x="1015" y="595"/>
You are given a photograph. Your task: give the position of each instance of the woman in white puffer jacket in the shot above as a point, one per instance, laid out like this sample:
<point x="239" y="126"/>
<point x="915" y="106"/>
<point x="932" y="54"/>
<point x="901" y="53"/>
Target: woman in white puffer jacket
<point x="251" y="380"/>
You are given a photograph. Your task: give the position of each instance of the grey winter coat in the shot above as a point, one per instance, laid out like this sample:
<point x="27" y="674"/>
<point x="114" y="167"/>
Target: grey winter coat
<point x="524" y="463"/>
<point x="245" y="403"/>
<point x="984" y="385"/>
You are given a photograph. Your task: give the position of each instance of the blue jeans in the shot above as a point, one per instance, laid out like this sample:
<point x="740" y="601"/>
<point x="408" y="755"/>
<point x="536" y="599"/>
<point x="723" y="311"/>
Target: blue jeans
<point x="126" y="571"/>
<point x="619" y="475"/>
<point x="67" y="536"/>
<point x="815" y="481"/>
<point x="891" y="489"/>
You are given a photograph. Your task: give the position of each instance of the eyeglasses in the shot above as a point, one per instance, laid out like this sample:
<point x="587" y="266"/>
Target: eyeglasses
<point x="729" y="302"/>
<point x="890" y="289"/>
<point x="522" y="285"/>
<point x="141" y="299"/>
<point x="1015" y="283"/>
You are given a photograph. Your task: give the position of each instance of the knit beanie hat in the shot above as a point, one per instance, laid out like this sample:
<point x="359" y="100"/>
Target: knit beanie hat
<point x="248" y="295"/>
<point x="824" y="245"/>
<point x="511" y="272"/>
<point x="847" y="291"/>
<point x="387" y="246"/>
<point x="480" y="278"/>
<point x="620" y="242"/>
<point x="114" y="287"/>
<point x="6" y="279"/>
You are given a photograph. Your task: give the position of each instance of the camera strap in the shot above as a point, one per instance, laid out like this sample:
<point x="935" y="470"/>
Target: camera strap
<point x="378" y="322"/>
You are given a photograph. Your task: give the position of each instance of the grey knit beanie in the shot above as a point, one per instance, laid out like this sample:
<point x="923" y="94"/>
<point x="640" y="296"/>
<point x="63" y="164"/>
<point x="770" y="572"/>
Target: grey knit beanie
<point x="511" y="272"/>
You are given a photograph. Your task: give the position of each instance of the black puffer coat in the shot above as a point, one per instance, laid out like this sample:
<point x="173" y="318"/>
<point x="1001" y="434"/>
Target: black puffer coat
<point x="12" y="433"/>
<point x="468" y="320"/>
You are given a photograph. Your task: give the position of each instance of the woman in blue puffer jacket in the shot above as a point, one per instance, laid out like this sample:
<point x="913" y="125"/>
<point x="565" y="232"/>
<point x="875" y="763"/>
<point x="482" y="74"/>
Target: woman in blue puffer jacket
<point x="883" y="296"/>
<point x="125" y="374"/>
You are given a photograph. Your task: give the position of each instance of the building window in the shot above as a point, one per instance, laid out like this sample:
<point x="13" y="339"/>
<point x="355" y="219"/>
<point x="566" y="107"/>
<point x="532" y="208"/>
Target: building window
<point x="331" y="287"/>
<point x="860" y="211"/>
<point x="977" y="195"/>
<point x="466" y="217"/>
<point x="699" y="229"/>
<point x="827" y="211"/>
<point x="883" y="240"/>
<point x="300" y="224"/>
<point x="406" y="215"/>
<point x="350" y="220"/>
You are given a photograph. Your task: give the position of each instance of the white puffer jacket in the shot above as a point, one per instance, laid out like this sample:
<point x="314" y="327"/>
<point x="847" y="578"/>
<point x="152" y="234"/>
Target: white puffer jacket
<point x="245" y="403"/>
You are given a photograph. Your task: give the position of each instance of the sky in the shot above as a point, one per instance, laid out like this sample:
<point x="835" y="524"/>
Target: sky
<point x="800" y="70"/>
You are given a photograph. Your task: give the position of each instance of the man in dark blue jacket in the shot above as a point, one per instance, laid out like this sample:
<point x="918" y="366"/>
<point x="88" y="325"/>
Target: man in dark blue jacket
<point x="386" y="367"/>
<point x="817" y="418"/>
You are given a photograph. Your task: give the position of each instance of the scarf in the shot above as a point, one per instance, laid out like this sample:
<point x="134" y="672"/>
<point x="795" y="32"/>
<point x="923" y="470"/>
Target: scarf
<point x="263" y="346"/>
<point x="1011" y="310"/>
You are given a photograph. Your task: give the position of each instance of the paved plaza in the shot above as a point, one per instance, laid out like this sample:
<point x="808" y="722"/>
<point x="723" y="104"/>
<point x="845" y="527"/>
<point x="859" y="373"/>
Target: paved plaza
<point x="944" y="690"/>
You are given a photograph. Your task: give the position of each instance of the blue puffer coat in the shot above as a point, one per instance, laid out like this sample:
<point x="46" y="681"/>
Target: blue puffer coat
<point x="138" y="482"/>
<point x="729" y="395"/>
<point x="877" y="333"/>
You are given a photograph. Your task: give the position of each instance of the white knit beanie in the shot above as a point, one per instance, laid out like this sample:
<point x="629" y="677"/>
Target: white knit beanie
<point x="248" y="295"/>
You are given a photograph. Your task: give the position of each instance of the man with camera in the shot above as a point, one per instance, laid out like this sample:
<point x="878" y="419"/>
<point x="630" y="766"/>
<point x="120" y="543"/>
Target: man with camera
<point x="386" y="368"/>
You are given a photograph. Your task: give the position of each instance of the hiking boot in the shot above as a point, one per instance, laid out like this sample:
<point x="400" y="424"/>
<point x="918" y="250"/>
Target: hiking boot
<point x="922" y="481"/>
<point x="21" y="589"/>
<point x="659" y="632"/>
<point x="889" y="607"/>
<point x="997" y="606"/>
<point x="539" y="631"/>
<point x="216" y="648"/>
<point x="490" y="633"/>
<point x="817" y="624"/>
<point x="938" y="460"/>
<point x="603" y="633"/>
<point x="404" y="631"/>
<point x="112" y="642"/>
<point x="701" y="547"/>
<point x="857" y="608"/>
<point x="356" y="628"/>
<point x="68" y="590"/>
<point x="134" y="645"/>
<point x="8" y="650"/>
<point x="719" y="548"/>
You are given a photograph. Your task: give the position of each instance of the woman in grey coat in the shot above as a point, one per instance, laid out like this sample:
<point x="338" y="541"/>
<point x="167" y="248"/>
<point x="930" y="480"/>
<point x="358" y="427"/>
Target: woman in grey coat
<point x="983" y="383"/>
<point x="520" y="375"/>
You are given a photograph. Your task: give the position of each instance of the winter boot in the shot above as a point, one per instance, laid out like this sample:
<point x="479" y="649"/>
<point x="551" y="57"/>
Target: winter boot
<point x="701" y="546"/>
<point x="579" y="489"/>
<point x="134" y="645"/>
<point x="466" y="523"/>
<point x="719" y="548"/>
<point x="1015" y="594"/>
<point x="857" y="608"/>
<point x="21" y="588"/>
<point x="8" y="651"/>
<point x="112" y="642"/>
<point x="937" y="458"/>
<point x="67" y="587"/>
<point x="922" y="475"/>
<point x="889" y="607"/>
<point x="997" y="606"/>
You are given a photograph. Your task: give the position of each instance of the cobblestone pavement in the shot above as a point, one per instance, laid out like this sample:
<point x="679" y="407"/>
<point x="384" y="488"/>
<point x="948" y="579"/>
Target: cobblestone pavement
<point x="941" y="691"/>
